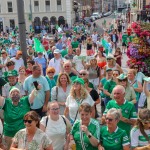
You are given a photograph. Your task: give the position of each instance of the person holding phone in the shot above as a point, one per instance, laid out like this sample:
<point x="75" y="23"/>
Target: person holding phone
<point x="36" y="80"/>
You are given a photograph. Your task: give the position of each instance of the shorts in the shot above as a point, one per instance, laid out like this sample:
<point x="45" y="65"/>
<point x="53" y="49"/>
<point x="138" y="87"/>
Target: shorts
<point x="94" y="44"/>
<point x="124" y="44"/>
<point x="89" y="52"/>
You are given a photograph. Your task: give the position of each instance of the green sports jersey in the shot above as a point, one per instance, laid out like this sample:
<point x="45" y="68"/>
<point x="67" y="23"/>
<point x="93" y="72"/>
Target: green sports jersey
<point x="64" y="52"/>
<point x="13" y="115"/>
<point x="137" y="138"/>
<point x="93" y="128"/>
<point x="115" y="140"/>
<point x="75" y="44"/>
<point x="128" y="111"/>
<point x="124" y="38"/>
<point x="109" y="85"/>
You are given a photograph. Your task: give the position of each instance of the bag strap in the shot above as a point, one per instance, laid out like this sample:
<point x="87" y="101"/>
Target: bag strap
<point x="46" y="122"/>
<point x="56" y="92"/>
<point x="64" y="120"/>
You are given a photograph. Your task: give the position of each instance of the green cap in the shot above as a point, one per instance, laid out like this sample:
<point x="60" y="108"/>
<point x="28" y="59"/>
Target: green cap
<point x="79" y="80"/>
<point x="122" y="76"/>
<point x="12" y="73"/>
<point x="108" y="69"/>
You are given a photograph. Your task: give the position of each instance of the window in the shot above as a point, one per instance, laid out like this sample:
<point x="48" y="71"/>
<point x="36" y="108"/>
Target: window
<point x="9" y="4"/>
<point x="47" y="5"/>
<point x="59" y="5"/>
<point x="36" y="6"/>
<point x="12" y="23"/>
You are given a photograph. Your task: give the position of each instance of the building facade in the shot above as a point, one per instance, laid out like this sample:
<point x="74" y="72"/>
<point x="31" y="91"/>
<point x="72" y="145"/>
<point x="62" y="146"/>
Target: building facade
<point x="37" y="13"/>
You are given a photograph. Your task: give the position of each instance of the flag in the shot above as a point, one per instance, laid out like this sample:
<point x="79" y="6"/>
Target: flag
<point x="38" y="47"/>
<point x="106" y="45"/>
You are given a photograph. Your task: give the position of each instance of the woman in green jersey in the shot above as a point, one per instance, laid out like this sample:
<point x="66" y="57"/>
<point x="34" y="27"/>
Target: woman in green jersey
<point x="111" y="136"/>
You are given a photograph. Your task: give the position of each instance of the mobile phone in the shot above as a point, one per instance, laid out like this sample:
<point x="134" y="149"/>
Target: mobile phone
<point x="36" y="84"/>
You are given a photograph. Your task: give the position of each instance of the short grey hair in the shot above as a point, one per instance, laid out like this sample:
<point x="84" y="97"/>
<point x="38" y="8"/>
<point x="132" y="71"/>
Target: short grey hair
<point x="115" y="112"/>
<point x="120" y="87"/>
<point x="67" y="62"/>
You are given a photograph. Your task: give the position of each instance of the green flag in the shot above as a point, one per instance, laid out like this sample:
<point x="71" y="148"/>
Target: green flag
<point x="38" y="47"/>
<point x="57" y="26"/>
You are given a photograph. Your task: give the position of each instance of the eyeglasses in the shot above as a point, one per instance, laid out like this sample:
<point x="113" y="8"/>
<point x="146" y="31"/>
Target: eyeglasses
<point x="66" y="66"/>
<point x="124" y="80"/>
<point x="82" y="74"/>
<point x="109" y="119"/>
<point x="54" y="109"/>
<point x="51" y="72"/>
<point x="109" y="58"/>
<point x="29" y="121"/>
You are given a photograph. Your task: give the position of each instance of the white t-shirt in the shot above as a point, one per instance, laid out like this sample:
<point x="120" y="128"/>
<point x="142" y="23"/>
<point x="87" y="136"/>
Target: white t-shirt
<point x="73" y="106"/>
<point x="94" y="38"/>
<point x="137" y="139"/>
<point x="56" y="131"/>
<point x="56" y="63"/>
<point x="18" y="63"/>
<point x="77" y="60"/>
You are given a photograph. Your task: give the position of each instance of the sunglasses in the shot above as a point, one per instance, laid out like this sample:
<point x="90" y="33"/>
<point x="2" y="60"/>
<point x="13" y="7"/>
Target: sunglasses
<point x="3" y="53"/>
<point x="124" y="80"/>
<point x="51" y="72"/>
<point x="109" y="119"/>
<point x="82" y="74"/>
<point x="109" y="58"/>
<point x="29" y="121"/>
<point x="146" y="122"/>
<point x="66" y="66"/>
<point x="55" y="109"/>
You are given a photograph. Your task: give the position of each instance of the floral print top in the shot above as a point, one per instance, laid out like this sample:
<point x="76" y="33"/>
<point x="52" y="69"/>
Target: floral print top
<point x="40" y="140"/>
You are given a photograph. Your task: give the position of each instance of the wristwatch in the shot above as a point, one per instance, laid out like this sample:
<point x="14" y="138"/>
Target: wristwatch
<point x="89" y="135"/>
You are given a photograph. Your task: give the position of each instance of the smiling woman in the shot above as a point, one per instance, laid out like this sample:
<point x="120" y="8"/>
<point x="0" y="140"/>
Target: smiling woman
<point x="31" y="137"/>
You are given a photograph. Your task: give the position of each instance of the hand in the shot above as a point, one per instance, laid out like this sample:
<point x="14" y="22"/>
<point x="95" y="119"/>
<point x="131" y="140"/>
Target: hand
<point x="84" y="129"/>
<point x="100" y="147"/>
<point x="44" y="108"/>
<point x="72" y="142"/>
<point x="61" y="103"/>
<point x="39" y="86"/>
<point x="134" y="101"/>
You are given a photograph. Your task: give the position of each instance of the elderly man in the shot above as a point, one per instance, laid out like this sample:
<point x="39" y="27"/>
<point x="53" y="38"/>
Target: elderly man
<point x="128" y="109"/>
<point x="42" y="95"/>
<point x="57" y="61"/>
<point x="12" y="81"/>
<point x="14" y="108"/>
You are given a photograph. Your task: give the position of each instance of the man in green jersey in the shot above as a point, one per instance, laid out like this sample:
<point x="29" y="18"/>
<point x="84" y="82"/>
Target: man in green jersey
<point x="127" y="108"/>
<point x="15" y="108"/>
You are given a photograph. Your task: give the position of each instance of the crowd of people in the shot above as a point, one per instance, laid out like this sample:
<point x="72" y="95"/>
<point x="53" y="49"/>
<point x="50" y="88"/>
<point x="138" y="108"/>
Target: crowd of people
<point x="64" y="100"/>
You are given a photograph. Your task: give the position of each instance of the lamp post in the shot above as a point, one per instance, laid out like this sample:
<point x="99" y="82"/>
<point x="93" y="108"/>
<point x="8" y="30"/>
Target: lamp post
<point x="22" y="29"/>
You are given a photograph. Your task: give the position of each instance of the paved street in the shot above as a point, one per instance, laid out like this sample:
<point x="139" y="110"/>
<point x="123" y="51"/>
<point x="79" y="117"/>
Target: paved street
<point x="99" y="22"/>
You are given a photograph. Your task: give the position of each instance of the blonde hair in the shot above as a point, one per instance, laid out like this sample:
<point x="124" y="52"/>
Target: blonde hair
<point x="83" y="92"/>
<point x="61" y="74"/>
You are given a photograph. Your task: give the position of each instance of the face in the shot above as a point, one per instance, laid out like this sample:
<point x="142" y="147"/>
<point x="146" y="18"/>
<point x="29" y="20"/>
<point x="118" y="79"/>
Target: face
<point x="22" y="71"/>
<point x="67" y="67"/>
<point x="109" y="60"/>
<point x="40" y="55"/>
<point x="19" y="55"/>
<point x="57" y="55"/>
<point x="78" y="51"/>
<point x="3" y="54"/>
<point x="118" y="95"/>
<point x="30" y="123"/>
<point x="37" y="72"/>
<point x="11" y="67"/>
<point x="12" y="79"/>
<point x="50" y="73"/>
<point x="131" y="75"/>
<point x="109" y="73"/>
<point x="136" y="68"/>
<point x="63" y="80"/>
<point x="77" y="86"/>
<point x="29" y="65"/>
<point x="146" y="123"/>
<point x="115" y="74"/>
<point x="83" y="74"/>
<point x="15" y="96"/>
<point x="85" y="117"/>
<point x="54" y="109"/>
<point x="123" y="82"/>
<point x="93" y="62"/>
<point x="110" y="120"/>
